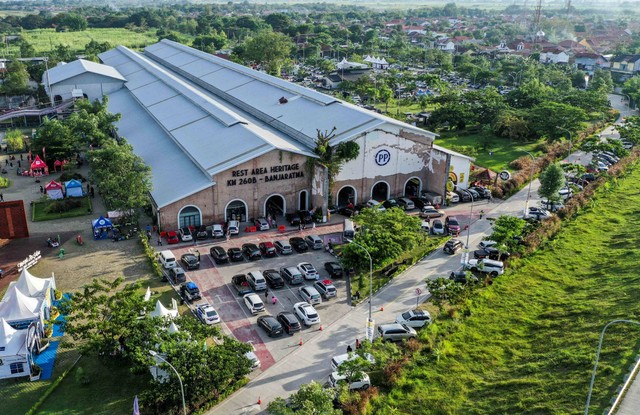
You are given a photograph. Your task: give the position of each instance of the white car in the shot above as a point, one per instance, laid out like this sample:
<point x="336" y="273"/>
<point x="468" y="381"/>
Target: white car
<point x="217" y="231"/>
<point x="310" y="294"/>
<point x="254" y="303"/>
<point x="486" y="244"/>
<point x="233" y="227"/>
<point x="376" y="205"/>
<point x="437" y="227"/>
<point x="207" y="314"/>
<point x="414" y="318"/>
<point x="185" y="234"/>
<point x="453" y="197"/>
<point x="308" y="271"/>
<point x="537" y="213"/>
<point x="488" y="266"/>
<point x="425" y="226"/>
<point x="336" y="361"/>
<point x="335" y="379"/>
<point x="251" y="355"/>
<point x="306" y="313"/>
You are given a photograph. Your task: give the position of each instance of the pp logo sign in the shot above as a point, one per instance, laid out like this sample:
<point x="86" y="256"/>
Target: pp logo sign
<point x="383" y="157"/>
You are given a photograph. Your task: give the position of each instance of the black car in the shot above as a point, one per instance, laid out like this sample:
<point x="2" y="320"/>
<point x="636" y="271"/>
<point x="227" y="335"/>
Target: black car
<point x="588" y="177"/>
<point x="219" y="255"/>
<point x="235" y="254"/>
<point x="453" y="246"/>
<point x="463" y="195"/>
<point x="293" y="219"/>
<point x="390" y="203"/>
<point x="190" y="261"/>
<point x="420" y="202"/>
<point x="347" y="211"/>
<point x="251" y="251"/>
<point x="334" y="269"/>
<point x="305" y="216"/>
<point x="201" y="232"/>
<point x="460" y="276"/>
<point x="298" y="244"/>
<point x="273" y="277"/>
<point x="491" y="253"/>
<point x="270" y="325"/>
<point x="289" y="322"/>
<point x="267" y="248"/>
<point x="475" y="195"/>
<point x="482" y="191"/>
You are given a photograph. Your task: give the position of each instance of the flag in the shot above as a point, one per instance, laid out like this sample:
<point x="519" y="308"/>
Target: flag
<point x="43" y="153"/>
<point x="136" y="409"/>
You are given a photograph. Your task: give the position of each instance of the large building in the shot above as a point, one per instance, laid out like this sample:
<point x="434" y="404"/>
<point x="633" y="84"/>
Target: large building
<point x="225" y="141"/>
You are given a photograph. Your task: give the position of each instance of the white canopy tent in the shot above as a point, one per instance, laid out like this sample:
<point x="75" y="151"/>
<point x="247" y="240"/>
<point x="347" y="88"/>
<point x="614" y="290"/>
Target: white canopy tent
<point x="162" y="311"/>
<point x="36" y="287"/>
<point x="20" y="310"/>
<point x="13" y="351"/>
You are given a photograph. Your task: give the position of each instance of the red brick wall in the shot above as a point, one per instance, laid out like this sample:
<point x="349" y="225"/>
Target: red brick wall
<point x="13" y="220"/>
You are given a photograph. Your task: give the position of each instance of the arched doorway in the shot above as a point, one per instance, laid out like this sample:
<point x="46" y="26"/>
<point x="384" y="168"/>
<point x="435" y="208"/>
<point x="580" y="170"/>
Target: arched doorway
<point x="189" y="216"/>
<point x="275" y="206"/>
<point x="57" y="99"/>
<point x="346" y="195"/>
<point x="412" y="187"/>
<point x="380" y="191"/>
<point x="236" y="210"/>
<point x="303" y="200"/>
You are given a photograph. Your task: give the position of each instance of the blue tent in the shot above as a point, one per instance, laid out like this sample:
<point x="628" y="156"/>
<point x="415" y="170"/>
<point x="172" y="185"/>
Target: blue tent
<point x="73" y="188"/>
<point x="101" y="228"/>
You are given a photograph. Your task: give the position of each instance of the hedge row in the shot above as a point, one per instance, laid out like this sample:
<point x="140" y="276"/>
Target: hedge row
<point x="151" y="254"/>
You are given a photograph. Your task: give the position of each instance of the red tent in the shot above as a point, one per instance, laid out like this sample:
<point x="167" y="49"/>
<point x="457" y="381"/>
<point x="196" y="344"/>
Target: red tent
<point x="54" y="190"/>
<point x="38" y="167"/>
<point x="57" y="164"/>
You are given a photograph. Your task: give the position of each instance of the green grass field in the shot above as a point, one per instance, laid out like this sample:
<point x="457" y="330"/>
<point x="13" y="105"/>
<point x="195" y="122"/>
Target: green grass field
<point x="528" y="346"/>
<point x="44" y="40"/>
<point x="39" y="213"/>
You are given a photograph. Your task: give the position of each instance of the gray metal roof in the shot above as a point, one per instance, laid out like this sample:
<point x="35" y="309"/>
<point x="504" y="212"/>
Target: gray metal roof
<point x="69" y="70"/>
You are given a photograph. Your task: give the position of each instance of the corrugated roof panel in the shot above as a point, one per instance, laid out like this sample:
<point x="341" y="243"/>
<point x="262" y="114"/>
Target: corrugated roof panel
<point x="200" y="68"/>
<point x="176" y="112"/>
<point x="128" y="67"/>
<point x="114" y="56"/>
<point x="153" y="93"/>
<point x="226" y="80"/>
<point x="161" y="49"/>
<point x="169" y="165"/>
<point x="211" y="144"/>
<point x="180" y="59"/>
<point x="139" y="79"/>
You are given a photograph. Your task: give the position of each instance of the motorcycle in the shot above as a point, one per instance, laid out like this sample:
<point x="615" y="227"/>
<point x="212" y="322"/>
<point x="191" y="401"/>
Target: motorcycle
<point x="53" y="243"/>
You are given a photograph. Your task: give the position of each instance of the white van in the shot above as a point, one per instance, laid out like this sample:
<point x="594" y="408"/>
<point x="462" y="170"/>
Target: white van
<point x="233" y="227"/>
<point x="167" y="259"/>
<point x="349" y="231"/>
<point x="257" y="280"/>
<point x="335" y="379"/>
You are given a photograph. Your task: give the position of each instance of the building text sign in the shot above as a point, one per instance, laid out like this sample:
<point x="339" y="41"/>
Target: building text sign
<point x="265" y="174"/>
<point x="29" y="261"/>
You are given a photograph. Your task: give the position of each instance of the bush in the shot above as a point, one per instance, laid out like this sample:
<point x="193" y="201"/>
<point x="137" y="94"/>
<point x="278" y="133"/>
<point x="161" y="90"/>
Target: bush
<point x="4" y="182"/>
<point x="81" y="377"/>
<point x="63" y="205"/>
<point x="67" y="175"/>
<point x="58" y="295"/>
<point x="151" y="254"/>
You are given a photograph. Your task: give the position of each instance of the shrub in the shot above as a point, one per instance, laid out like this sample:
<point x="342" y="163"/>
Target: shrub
<point x="67" y="175"/>
<point x="58" y="295"/>
<point x="4" y="182"/>
<point x="64" y="205"/>
<point x="81" y="377"/>
<point x="151" y="254"/>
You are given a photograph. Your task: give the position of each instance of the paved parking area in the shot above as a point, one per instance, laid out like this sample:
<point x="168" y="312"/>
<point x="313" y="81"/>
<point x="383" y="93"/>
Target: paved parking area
<point x="214" y="282"/>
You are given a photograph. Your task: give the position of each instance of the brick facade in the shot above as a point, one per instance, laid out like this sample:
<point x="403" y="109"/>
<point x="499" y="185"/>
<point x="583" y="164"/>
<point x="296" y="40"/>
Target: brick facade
<point x="13" y="220"/>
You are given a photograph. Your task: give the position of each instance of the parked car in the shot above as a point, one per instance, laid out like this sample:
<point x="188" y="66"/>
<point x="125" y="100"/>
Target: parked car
<point x="314" y="242"/>
<point x="453" y="246"/>
<point x="362" y="383"/>
<point x="185" y="234"/>
<point x="190" y="261"/>
<point x="289" y="322"/>
<point x="491" y="253"/>
<point x="270" y="325"/>
<point x="337" y="361"/>
<point x="273" y="277"/>
<point x="588" y="177"/>
<point x="425" y="226"/>
<point x="536" y="213"/>
<point x="177" y="275"/>
<point x="396" y="332"/>
<point x="487" y="266"/>
<point x="310" y="294"/>
<point x="305" y="216"/>
<point x="420" y="202"/>
<point x="172" y="238"/>
<point x="482" y="191"/>
<point x="463" y="195"/>
<point x="453" y="197"/>
<point x="253" y="303"/>
<point x="475" y="195"/>
<point x="406" y="203"/>
<point x="452" y="225"/>
<point x="283" y="247"/>
<point x="235" y="254"/>
<point x="292" y="275"/>
<point x="190" y="292"/>
<point x="267" y="248"/>
<point x="233" y="227"/>
<point x="201" y="232"/>
<point x="390" y="203"/>
<point x="256" y="280"/>
<point x="308" y="271"/>
<point x="429" y="212"/>
<point x="374" y="204"/>
<point x="293" y="219"/>
<point x="437" y="227"/>
<point x="552" y="206"/>
<point x="261" y="224"/>
<point x="326" y="288"/>
<point x="334" y="269"/>
<point x="207" y="314"/>
<point x="253" y="358"/>
<point x="462" y="276"/>
<point x="486" y="243"/>
<point x="251" y="251"/>
<point x="306" y="313"/>
<point x="414" y="318"/>
<point x="218" y="254"/>
<point x="298" y="244"/>
<point x="217" y="231"/>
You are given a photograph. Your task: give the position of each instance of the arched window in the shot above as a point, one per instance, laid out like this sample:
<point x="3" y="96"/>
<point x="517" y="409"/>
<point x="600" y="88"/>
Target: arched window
<point x="189" y="216"/>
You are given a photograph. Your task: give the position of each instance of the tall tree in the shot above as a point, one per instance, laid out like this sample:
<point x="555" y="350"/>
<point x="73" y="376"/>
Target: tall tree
<point x="551" y="181"/>
<point x="310" y="399"/>
<point x="17" y="80"/>
<point x="334" y="157"/>
<point x="506" y="231"/>
<point x="270" y="49"/>
<point x="57" y="139"/>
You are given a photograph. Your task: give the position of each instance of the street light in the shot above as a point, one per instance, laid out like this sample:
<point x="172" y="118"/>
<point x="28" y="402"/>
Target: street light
<point x="593" y="374"/>
<point x="465" y="258"/>
<point x="526" y="205"/>
<point x="570" y="139"/>
<point x="370" y="320"/>
<point x="157" y="356"/>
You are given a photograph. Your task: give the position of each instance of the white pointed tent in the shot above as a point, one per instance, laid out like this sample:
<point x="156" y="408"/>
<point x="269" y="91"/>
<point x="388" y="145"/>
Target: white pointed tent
<point x="162" y="311"/>
<point x="20" y="310"/>
<point x="13" y="351"/>
<point x="36" y="287"/>
<point x="173" y="328"/>
<point x="147" y="295"/>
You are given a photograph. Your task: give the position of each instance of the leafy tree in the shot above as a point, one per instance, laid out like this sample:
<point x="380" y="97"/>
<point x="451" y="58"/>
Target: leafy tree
<point x="123" y="178"/>
<point x="92" y="123"/>
<point x="529" y="94"/>
<point x="445" y="291"/>
<point x="26" y="49"/>
<point x="210" y="43"/>
<point x="310" y="399"/>
<point x="630" y="130"/>
<point x="15" y="140"/>
<point x="270" y="49"/>
<point x="506" y="231"/>
<point x="632" y="88"/>
<point x="279" y="22"/>
<point x="545" y="118"/>
<point x="16" y="81"/>
<point x="57" y="138"/>
<point x="511" y="125"/>
<point x="551" y="181"/>
<point x="455" y="115"/>
<point x="94" y="47"/>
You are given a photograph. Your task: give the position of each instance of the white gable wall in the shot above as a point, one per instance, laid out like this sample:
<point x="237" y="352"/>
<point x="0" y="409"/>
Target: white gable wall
<point x="92" y="85"/>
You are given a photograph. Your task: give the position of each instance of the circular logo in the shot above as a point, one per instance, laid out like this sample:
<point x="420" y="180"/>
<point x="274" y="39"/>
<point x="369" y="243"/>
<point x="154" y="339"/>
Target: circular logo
<point x="504" y="175"/>
<point x="383" y="157"/>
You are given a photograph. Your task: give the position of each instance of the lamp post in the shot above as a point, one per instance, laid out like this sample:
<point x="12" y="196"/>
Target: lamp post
<point x="526" y="205"/>
<point x="593" y="374"/>
<point x="157" y="356"/>
<point x="570" y="139"/>
<point x="465" y="257"/>
<point x="46" y="66"/>
<point x="370" y="321"/>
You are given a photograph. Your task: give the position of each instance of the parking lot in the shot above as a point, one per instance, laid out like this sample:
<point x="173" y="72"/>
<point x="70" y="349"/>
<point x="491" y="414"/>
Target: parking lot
<point x="214" y="281"/>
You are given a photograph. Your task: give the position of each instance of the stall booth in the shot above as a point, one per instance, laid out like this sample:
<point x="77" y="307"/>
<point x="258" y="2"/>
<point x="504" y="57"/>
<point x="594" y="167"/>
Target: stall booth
<point x="73" y="188"/>
<point x="38" y="168"/>
<point x="102" y="228"/>
<point x="54" y="190"/>
<point x="59" y="165"/>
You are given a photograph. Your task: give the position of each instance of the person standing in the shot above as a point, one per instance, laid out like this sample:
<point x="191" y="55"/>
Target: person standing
<point x="349" y="349"/>
<point x="1" y="197"/>
<point x="266" y="294"/>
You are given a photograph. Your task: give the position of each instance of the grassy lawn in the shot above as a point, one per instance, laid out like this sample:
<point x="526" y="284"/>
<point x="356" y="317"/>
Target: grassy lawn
<point x="528" y="346"/>
<point x="499" y="151"/>
<point x="44" y="40"/>
<point x="40" y="214"/>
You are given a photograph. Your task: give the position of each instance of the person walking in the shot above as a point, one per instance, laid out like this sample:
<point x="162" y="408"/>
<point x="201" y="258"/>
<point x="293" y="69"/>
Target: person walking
<point x="274" y="300"/>
<point x="266" y="294"/>
<point x="349" y="349"/>
<point x="1" y="197"/>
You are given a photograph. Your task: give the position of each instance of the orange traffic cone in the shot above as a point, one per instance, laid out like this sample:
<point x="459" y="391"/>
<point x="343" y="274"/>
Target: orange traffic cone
<point x="382" y="307"/>
<point x="320" y="327"/>
<point x="259" y="401"/>
<point x="300" y="343"/>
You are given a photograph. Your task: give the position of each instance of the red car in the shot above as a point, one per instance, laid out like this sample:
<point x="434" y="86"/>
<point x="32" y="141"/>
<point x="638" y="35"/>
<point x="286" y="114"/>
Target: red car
<point x="267" y="248"/>
<point x="172" y="237"/>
